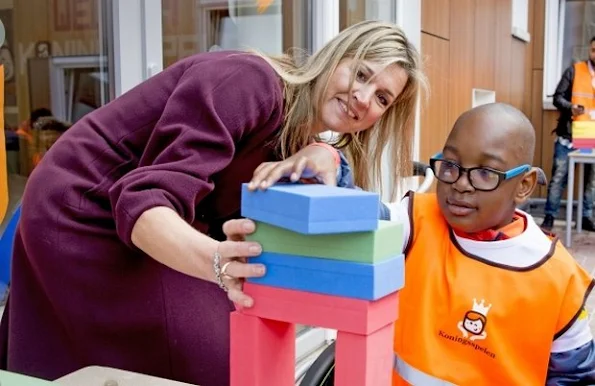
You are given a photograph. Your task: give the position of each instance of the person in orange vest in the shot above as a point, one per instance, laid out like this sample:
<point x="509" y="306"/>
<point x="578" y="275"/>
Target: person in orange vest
<point x="575" y="99"/>
<point x="490" y="298"/>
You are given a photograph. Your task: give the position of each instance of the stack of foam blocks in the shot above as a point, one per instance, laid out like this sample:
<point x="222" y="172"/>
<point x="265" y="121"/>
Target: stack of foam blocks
<point x="330" y="263"/>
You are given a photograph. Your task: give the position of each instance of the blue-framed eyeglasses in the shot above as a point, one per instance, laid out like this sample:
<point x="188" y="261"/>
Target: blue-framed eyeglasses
<point x="481" y="178"/>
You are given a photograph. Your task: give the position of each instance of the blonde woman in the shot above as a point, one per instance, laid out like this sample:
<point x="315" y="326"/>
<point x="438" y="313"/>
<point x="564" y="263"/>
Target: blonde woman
<point x="123" y="220"/>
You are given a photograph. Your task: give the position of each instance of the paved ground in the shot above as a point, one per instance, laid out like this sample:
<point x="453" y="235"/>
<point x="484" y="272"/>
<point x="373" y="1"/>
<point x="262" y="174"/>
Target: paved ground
<point x="583" y="250"/>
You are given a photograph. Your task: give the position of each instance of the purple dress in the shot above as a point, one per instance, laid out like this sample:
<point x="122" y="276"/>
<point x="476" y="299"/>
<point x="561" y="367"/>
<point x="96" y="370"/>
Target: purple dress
<point x="81" y="293"/>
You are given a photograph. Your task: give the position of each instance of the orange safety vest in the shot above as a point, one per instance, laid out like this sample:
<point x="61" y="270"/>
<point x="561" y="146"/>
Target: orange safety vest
<point x="465" y="320"/>
<point x="582" y="90"/>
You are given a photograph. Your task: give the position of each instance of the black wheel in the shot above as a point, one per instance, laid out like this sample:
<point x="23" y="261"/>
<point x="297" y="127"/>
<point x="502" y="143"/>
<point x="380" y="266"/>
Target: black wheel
<point x="322" y="371"/>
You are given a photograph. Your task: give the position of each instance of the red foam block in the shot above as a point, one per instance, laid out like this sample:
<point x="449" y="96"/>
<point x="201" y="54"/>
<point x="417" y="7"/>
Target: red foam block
<point x="262" y="352"/>
<point x="364" y="360"/>
<point x="345" y="314"/>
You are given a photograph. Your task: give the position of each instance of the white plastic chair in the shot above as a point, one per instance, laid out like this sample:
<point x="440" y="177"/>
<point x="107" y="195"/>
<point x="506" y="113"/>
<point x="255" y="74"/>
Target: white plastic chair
<point x="421" y="169"/>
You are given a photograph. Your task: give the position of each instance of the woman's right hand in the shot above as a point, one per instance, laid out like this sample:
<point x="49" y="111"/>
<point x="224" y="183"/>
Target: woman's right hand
<point x="234" y="253"/>
<point x="162" y="234"/>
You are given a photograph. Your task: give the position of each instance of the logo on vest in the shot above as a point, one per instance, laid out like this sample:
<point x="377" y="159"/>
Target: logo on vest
<point x="472" y="328"/>
<point x="474" y="323"/>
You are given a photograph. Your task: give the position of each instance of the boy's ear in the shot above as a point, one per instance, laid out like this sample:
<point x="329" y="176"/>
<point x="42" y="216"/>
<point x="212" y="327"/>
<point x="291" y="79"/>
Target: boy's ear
<point x="526" y="186"/>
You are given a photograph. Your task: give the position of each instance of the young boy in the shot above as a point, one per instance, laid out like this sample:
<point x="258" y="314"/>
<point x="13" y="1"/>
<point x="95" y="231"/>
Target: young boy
<point x="489" y="299"/>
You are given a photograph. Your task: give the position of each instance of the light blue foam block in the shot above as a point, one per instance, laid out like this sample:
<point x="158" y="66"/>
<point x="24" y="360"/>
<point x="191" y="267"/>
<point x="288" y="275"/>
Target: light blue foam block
<point x="312" y="208"/>
<point x="332" y="277"/>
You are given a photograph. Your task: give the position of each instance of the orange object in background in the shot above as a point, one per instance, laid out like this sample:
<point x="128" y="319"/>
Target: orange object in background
<point x="263" y="5"/>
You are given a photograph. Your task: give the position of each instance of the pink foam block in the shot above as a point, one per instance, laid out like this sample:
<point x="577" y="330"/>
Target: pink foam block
<point x="364" y="360"/>
<point x="583" y="143"/>
<point x="262" y="351"/>
<point x="345" y="314"/>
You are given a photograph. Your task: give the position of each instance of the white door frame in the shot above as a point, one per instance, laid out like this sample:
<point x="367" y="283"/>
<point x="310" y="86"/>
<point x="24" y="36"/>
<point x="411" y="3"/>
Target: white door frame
<point x="138" y="42"/>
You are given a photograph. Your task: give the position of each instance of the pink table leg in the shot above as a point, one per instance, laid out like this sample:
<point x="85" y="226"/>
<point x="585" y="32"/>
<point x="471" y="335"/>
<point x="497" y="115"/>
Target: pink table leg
<point x="262" y="351"/>
<point x="364" y="360"/>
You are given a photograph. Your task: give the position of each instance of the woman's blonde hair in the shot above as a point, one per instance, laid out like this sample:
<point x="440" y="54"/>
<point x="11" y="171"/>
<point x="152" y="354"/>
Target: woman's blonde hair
<point x="375" y="41"/>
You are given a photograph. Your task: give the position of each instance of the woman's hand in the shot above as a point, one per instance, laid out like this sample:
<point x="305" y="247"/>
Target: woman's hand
<point x="234" y="262"/>
<point x="315" y="160"/>
<point x="162" y="234"/>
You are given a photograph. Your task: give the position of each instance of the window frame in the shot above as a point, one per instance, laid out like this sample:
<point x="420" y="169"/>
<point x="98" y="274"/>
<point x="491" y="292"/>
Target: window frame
<point x="137" y="42"/>
<point x="61" y="107"/>
<point x="552" y="49"/>
<point x="520" y="27"/>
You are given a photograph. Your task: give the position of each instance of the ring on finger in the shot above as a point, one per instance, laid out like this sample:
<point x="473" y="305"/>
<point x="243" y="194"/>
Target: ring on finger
<point x="224" y="270"/>
<point x="218" y="271"/>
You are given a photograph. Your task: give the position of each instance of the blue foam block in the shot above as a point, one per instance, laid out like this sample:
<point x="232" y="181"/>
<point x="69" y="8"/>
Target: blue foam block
<point x="313" y="208"/>
<point x="332" y="277"/>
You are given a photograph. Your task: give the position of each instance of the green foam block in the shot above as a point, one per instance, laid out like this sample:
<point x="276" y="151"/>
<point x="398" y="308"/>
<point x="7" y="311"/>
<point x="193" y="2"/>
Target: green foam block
<point x="14" y="379"/>
<point x="362" y="247"/>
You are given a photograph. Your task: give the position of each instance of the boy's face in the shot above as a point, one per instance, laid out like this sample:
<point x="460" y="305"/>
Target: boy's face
<point x="483" y="141"/>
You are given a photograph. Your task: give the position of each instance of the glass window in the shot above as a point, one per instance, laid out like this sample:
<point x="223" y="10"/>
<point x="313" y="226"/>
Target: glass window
<point x="55" y="64"/>
<point x="569" y="26"/>
<point x="354" y="11"/>
<point x="78" y="84"/>
<point x="579" y="28"/>
<point x="271" y="26"/>
<point x="84" y="91"/>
